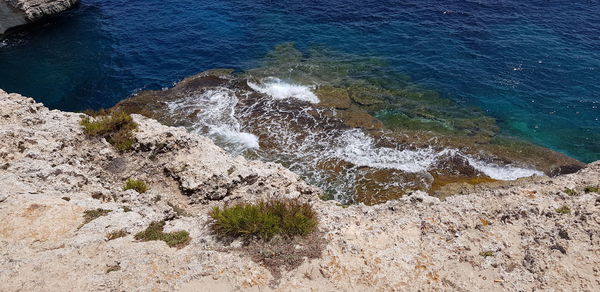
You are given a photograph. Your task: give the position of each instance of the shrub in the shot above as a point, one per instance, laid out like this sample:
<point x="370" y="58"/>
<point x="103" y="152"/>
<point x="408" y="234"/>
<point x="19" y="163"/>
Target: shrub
<point x="486" y="254"/>
<point x="116" y="234"/>
<point x="90" y="215"/>
<point x="564" y="209"/>
<point x="591" y="189"/>
<point x="177" y="239"/>
<point x="137" y="185"/>
<point x="265" y="219"/>
<point x="570" y="192"/>
<point x="66" y="198"/>
<point x="116" y="127"/>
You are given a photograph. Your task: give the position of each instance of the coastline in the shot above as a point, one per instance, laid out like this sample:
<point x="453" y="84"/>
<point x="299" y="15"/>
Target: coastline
<point x="18" y="13"/>
<point x="508" y="237"/>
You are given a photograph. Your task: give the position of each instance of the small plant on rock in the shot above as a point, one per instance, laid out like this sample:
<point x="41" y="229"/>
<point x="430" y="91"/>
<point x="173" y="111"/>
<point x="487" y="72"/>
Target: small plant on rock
<point x="564" y="209"/>
<point x="265" y="219"/>
<point x="116" y="127"/>
<point x="486" y="254"/>
<point x="137" y="185"/>
<point x="591" y="189"/>
<point x="155" y="231"/>
<point x="570" y="192"/>
<point x="116" y="234"/>
<point x="90" y="215"/>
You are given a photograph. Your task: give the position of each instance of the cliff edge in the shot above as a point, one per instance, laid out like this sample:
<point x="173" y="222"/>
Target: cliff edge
<point x="15" y="13"/>
<point x="68" y="223"/>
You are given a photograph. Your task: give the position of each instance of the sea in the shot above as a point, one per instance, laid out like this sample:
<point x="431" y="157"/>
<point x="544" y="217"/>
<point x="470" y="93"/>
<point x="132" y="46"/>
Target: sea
<point x="534" y="66"/>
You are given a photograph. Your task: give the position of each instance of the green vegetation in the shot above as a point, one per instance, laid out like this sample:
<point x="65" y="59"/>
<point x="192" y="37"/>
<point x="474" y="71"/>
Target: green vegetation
<point x="90" y="215"/>
<point x="486" y="254"/>
<point x="137" y="185"/>
<point x="66" y="198"/>
<point x="327" y="196"/>
<point x="591" y="189"/>
<point x="116" y="234"/>
<point x="126" y="209"/>
<point x="116" y="127"/>
<point x="265" y="219"/>
<point x="564" y="209"/>
<point x="155" y="231"/>
<point x="570" y="192"/>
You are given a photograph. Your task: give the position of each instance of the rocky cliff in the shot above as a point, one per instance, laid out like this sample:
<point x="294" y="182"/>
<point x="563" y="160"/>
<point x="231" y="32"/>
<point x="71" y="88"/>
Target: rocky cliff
<point x="526" y="235"/>
<point x="15" y="13"/>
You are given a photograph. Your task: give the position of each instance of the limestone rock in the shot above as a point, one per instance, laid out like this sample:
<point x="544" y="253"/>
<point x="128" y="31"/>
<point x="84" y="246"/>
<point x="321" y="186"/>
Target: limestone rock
<point x="51" y="173"/>
<point x="14" y="13"/>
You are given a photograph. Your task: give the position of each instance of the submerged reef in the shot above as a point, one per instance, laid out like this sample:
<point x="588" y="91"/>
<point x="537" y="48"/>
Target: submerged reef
<point x="348" y="125"/>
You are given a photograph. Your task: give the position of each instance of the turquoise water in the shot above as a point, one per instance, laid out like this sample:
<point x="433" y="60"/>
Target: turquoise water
<point x="533" y="65"/>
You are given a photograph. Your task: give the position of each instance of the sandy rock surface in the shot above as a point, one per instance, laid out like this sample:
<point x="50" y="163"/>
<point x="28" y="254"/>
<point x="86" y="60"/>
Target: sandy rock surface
<point x="507" y="238"/>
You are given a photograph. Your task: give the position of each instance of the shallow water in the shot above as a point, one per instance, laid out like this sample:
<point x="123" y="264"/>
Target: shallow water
<point x="532" y="65"/>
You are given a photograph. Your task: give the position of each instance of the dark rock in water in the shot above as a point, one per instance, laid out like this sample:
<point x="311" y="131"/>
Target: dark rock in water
<point x="565" y="169"/>
<point x="14" y="13"/>
<point x="333" y="97"/>
<point x="455" y="165"/>
<point x="375" y="186"/>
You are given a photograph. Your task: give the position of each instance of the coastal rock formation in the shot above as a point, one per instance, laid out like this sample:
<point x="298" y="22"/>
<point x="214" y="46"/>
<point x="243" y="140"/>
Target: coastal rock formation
<point x="533" y="234"/>
<point x="336" y="143"/>
<point x="15" y="13"/>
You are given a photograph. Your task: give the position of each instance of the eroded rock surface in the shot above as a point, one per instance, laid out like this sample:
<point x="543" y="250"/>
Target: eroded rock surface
<point x="15" y="13"/>
<point x="505" y="238"/>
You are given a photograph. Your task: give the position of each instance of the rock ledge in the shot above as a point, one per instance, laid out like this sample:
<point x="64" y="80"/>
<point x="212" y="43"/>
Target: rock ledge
<point x="507" y="238"/>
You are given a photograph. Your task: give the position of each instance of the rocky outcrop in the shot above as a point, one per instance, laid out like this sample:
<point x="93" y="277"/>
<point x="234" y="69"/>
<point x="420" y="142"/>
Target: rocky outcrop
<point x="327" y="142"/>
<point x="15" y="13"/>
<point x="507" y="238"/>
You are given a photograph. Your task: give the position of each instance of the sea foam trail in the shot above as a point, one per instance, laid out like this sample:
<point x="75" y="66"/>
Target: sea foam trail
<point x="307" y="147"/>
<point x="215" y="111"/>
<point x="278" y="89"/>
<point x="359" y="149"/>
<point x="502" y="172"/>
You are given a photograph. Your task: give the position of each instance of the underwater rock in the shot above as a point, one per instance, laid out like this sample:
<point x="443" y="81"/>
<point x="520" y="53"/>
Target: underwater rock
<point x="323" y="142"/>
<point x="333" y="97"/>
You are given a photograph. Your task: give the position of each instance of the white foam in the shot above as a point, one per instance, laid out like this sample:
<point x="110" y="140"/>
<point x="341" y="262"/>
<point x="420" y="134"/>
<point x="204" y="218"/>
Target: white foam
<point x="278" y="89"/>
<point x="215" y="111"/>
<point x="359" y="149"/>
<point x="246" y="140"/>
<point x="504" y="172"/>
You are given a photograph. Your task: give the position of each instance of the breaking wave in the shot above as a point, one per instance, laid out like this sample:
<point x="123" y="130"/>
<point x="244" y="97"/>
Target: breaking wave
<point x="300" y="137"/>
<point x="214" y="113"/>
<point x="278" y="89"/>
<point x="359" y="149"/>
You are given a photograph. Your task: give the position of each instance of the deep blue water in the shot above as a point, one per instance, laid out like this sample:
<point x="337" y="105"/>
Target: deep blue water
<point x="534" y="65"/>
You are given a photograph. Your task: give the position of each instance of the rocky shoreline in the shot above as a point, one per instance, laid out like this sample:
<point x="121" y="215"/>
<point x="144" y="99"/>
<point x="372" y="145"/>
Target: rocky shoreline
<point x="536" y="233"/>
<point x="337" y="143"/>
<point x="15" y="13"/>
